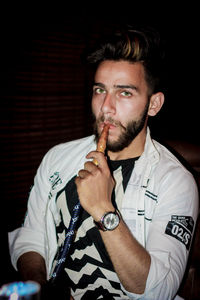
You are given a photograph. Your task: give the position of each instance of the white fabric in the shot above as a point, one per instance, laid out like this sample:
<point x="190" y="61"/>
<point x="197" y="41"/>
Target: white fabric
<point x="159" y="188"/>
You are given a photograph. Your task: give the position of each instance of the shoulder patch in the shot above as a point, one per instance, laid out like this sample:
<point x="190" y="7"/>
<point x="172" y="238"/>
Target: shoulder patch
<point x="181" y="228"/>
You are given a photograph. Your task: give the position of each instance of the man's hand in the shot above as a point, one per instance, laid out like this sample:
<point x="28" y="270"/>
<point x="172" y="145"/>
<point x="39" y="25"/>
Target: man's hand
<point x="31" y="266"/>
<point x="95" y="185"/>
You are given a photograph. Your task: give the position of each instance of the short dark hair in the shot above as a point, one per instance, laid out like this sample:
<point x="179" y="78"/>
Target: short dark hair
<point x="133" y="45"/>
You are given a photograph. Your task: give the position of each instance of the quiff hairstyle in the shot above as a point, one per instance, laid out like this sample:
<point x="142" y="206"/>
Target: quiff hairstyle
<point x="133" y="45"/>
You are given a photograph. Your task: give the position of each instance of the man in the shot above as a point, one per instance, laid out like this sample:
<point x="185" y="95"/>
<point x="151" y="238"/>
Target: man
<point x="139" y="203"/>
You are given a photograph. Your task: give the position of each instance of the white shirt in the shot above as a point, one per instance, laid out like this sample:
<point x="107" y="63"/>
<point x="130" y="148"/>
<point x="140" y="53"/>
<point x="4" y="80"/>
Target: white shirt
<point x="161" y="217"/>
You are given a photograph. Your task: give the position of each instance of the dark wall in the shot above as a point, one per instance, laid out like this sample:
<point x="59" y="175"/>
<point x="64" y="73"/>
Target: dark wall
<point x="43" y="101"/>
<point x="45" y="98"/>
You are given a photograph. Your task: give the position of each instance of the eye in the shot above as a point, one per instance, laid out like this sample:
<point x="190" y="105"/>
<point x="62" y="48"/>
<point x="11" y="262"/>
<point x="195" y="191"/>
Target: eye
<point x="99" y="90"/>
<point x="126" y="93"/>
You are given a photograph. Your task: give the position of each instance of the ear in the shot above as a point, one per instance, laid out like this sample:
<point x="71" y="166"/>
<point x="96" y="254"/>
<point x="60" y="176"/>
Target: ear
<point x="155" y="104"/>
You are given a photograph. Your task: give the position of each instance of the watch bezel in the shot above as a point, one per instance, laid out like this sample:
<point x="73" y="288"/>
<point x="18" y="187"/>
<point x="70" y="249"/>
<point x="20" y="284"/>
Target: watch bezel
<point x="101" y="224"/>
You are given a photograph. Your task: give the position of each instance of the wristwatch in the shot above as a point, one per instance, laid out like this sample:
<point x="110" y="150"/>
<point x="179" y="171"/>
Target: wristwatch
<point x="109" y="221"/>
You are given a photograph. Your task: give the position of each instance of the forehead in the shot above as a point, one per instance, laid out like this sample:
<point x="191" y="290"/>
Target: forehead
<point x="120" y="72"/>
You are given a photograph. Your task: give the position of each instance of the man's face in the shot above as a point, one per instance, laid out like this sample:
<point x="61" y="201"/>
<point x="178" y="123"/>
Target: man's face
<point x="120" y="98"/>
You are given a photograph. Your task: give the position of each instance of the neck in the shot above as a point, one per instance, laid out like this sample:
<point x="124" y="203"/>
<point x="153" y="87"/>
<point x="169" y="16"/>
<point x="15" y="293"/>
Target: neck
<point x="135" y="148"/>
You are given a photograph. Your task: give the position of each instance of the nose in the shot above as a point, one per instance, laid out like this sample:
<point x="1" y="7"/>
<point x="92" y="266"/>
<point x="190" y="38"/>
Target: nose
<point x="108" y="105"/>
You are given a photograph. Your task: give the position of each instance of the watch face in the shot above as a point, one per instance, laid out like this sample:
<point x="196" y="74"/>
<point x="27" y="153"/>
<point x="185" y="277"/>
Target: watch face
<point x="111" y="221"/>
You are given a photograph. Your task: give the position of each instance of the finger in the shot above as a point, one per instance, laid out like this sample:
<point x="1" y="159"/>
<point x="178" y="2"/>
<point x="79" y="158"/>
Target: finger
<point x="83" y="174"/>
<point x="98" y="159"/>
<point x="90" y="166"/>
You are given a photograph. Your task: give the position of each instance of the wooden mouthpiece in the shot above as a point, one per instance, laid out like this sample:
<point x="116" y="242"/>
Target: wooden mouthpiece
<point x="101" y="145"/>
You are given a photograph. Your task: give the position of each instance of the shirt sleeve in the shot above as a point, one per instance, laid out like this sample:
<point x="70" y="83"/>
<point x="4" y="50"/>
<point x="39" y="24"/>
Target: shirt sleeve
<point x="31" y="236"/>
<point x="170" y="236"/>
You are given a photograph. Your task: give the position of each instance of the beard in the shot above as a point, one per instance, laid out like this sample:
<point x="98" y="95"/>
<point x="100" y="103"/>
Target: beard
<point x="128" y="133"/>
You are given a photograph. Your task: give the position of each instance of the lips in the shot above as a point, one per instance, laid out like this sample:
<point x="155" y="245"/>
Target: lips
<point x="112" y="123"/>
<point x="111" y="126"/>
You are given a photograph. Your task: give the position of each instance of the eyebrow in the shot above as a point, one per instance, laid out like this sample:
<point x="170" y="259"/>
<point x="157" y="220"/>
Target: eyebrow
<point x="99" y="84"/>
<point x="126" y="86"/>
<point x="119" y="86"/>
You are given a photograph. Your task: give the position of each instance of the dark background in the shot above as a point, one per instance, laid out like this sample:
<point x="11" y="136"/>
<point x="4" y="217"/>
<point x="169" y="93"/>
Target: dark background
<point x="44" y="88"/>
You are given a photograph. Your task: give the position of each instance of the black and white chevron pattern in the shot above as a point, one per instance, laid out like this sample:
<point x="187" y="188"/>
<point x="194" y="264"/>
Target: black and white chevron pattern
<point x="89" y="271"/>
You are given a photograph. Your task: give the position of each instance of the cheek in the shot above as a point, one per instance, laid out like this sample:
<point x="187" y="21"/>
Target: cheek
<point x="130" y="111"/>
<point x="126" y="112"/>
<point x="96" y="106"/>
<point x="94" y="109"/>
